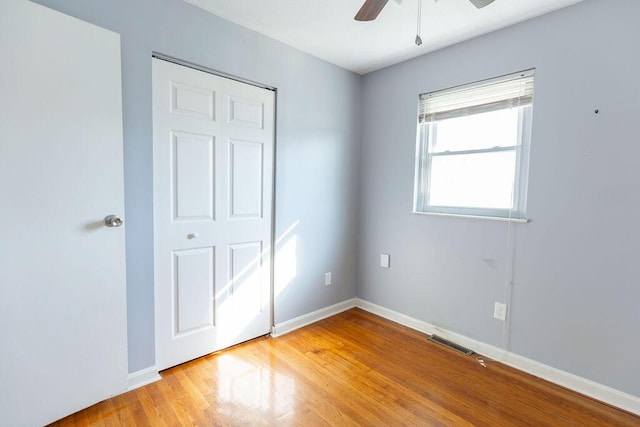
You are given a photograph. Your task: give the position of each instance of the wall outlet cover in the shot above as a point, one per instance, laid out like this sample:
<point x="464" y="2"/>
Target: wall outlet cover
<point x="327" y="279"/>
<point x="385" y="260"/>
<point x="500" y="311"/>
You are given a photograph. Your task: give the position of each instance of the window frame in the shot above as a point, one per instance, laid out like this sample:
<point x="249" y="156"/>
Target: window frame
<point x="427" y="132"/>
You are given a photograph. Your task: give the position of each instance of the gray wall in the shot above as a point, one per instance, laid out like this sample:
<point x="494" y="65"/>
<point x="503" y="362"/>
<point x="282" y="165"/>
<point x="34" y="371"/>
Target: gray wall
<point x="576" y="275"/>
<point x="574" y="300"/>
<point x="318" y="125"/>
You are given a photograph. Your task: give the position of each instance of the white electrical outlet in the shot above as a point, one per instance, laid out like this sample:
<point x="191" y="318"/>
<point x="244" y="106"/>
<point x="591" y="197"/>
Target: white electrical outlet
<point x="327" y="279"/>
<point x="500" y="311"/>
<point x="385" y="260"/>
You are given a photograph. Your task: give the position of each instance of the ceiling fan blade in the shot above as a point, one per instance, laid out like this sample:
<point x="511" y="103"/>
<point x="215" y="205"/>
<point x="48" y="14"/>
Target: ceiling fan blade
<point x="481" y="3"/>
<point x="370" y="10"/>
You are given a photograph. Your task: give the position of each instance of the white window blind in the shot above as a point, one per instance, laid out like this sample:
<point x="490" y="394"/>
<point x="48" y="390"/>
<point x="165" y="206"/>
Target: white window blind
<point x="514" y="90"/>
<point x="472" y="152"/>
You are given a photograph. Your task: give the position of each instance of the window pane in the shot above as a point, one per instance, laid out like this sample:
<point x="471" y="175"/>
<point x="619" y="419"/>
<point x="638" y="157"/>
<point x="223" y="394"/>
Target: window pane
<point x="482" y="180"/>
<point x="485" y="130"/>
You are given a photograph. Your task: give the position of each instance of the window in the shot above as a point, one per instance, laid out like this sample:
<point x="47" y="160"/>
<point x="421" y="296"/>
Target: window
<point x="472" y="149"/>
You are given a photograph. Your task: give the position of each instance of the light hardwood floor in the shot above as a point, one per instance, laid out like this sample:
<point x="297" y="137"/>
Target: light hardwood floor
<point x="351" y="369"/>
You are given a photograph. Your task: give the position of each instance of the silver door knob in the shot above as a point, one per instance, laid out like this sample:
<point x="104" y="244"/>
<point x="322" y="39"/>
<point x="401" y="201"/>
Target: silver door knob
<point x="113" y="221"/>
<point x="192" y="236"/>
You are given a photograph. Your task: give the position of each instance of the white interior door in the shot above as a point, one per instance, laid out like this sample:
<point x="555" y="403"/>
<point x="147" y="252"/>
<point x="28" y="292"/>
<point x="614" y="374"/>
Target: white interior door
<point x="62" y="290"/>
<point x="213" y="167"/>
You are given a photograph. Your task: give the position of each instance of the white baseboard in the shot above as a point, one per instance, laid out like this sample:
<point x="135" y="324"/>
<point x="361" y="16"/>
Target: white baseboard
<point x="309" y="318"/>
<point x="573" y="382"/>
<point x="142" y="377"/>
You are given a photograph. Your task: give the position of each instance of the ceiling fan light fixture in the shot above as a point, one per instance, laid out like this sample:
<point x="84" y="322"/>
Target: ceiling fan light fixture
<point x="371" y="8"/>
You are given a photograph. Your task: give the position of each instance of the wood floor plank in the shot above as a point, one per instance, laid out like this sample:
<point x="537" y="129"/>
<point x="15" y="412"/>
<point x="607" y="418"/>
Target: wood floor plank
<point x="388" y="392"/>
<point x="352" y="369"/>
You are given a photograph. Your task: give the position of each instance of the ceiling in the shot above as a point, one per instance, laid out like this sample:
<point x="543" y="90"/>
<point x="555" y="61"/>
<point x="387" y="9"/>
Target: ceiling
<point x="327" y="30"/>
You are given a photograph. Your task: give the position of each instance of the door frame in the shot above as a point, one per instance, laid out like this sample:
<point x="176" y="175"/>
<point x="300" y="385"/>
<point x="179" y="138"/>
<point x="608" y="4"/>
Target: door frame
<point x="222" y="74"/>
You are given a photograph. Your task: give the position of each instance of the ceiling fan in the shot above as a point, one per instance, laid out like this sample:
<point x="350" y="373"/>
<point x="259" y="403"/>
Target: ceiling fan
<point x="372" y="8"/>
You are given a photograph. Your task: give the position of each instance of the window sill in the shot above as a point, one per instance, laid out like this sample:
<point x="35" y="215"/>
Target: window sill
<point x="491" y="218"/>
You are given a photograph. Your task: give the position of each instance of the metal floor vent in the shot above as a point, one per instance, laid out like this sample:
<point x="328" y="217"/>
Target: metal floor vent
<point x="451" y="345"/>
